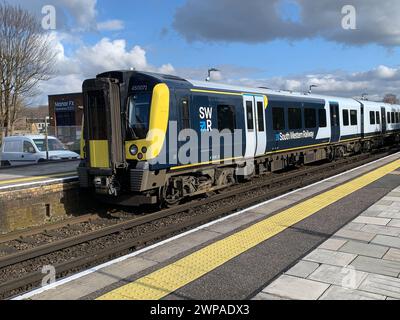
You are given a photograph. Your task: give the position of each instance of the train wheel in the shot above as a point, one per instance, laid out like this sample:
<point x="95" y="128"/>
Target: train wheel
<point x="169" y="196"/>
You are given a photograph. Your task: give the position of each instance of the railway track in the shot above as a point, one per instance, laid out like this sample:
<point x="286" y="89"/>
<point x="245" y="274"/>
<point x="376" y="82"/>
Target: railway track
<point x="21" y="270"/>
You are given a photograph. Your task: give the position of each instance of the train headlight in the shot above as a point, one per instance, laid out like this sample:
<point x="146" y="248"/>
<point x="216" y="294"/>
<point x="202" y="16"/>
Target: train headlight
<point x="144" y="149"/>
<point x="133" y="150"/>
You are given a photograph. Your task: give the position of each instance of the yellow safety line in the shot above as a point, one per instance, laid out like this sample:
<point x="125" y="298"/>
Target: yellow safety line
<point x="165" y="281"/>
<point x="65" y="174"/>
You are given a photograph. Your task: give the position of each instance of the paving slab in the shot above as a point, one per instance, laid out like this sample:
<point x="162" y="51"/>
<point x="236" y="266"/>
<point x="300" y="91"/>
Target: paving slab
<point x="296" y="288"/>
<point x="355" y="235"/>
<point x="266" y="296"/>
<point x="364" y="249"/>
<point x="378" y="266"/>
<point x="385" y="202"/>
<point x="371" y="212"/>
<point x="379" y="284"/>
<point x="332" y="244"/>
<point x="392" y="254"/>
<point x="382" y="230"/>
<point x="372" y="220"/>
<point x="340" y="293"/>
<point x="303" y="269"/>
<point x="389" y="241"/>
<point x="341" y="276"/>
<point x="395" y="205"/>
<point x="354" y="226"/>
<point x="391" y="198"/>
<point x="335" y="258"/>
<point x="394" y="223"/>
<point x="390" y="213"/>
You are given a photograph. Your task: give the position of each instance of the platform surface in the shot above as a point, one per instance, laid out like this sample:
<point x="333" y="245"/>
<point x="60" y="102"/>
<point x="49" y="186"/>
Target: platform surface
<point x="27" y="175"/>
<point x="282" y="240"/>
<point x="361" y="261"/>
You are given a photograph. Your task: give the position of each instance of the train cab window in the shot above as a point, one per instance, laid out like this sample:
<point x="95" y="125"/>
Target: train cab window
<point x="372" y="117"/>
<point x="388" y="117"/>
<point x="226" y="117"/>
<point x="278" y="118"/>
<point x="97" y="121"/>
<point x="346" y="117"/>
<point x="378" y="117"/>
<point x="322" y="118"/>
<point x="139" y="114"/>
<point x="294" y="116"/>
<point x="185" y="114"/>
<point x="310" y="118"/>
<point x="249" y="115"/>
<point x="353" y="117"/>
<point x="260" y="116"/>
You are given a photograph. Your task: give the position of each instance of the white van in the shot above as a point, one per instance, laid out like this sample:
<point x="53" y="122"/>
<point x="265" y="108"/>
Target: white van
<point x="31" y="149"/>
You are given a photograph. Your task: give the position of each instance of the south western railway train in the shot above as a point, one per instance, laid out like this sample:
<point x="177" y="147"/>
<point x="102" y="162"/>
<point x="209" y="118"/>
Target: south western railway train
<point x="134" y="152"/>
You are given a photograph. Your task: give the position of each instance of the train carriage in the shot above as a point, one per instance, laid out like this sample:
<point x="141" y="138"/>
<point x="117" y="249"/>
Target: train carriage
<point x="152" y="138"/>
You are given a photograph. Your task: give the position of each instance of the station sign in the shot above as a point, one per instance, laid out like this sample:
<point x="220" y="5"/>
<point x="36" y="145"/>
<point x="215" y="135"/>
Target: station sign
<point x="64" y="106"/>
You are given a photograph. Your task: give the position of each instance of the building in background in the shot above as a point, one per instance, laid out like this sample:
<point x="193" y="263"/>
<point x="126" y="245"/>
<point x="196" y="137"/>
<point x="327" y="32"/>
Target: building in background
<point x="66" y="112"/>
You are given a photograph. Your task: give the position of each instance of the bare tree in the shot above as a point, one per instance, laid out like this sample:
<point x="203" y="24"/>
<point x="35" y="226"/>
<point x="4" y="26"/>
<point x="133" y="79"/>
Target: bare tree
<point x="26" y="58"/>
<point x="390" y="98"/>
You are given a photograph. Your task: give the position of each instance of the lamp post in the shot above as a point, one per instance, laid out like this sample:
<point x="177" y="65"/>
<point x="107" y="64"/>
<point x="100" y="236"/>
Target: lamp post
<point x="310" y="89"/>
<point x="209" y="73"/>
<point x="46" y="133"/>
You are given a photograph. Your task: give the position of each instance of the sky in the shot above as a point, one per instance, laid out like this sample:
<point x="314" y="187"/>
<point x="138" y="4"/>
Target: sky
<point x="281" y="44"/>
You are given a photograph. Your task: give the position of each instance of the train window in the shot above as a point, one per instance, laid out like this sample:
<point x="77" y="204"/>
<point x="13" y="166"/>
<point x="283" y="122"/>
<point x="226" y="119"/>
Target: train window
<point x="260" y="116"/>
<point x="226" y="117"/>
<point x="378" y="117"/>
<point x="353" y="117"/>
<point x="278" y="118"/>
<point x="294" y="116"/>
<point x="139" y="113"/>
<point x="310" y="118"/>
<point x="185" y="114"/>
<point x="97" y="122"/>
<point x="345" y="117"/>
<point x="388" y="117"/>
<point x="249" y="115"/>
<point x="322" y="118"/>
<point x="372" y="117"/>
<point x="393" y="118"/>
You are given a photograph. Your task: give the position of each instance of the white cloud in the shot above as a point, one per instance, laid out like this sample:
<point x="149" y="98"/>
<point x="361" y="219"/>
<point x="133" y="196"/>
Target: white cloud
<point x="88" y="61"/>
<point x="376" y="82"/>
<point x="76" y="15"/>
<point x="111" y="25"/>
<point x="260" y="21"/>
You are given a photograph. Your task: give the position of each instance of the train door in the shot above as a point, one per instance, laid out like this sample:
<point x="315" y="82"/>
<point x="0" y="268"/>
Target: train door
<point x="335" y="123"/>
<point x="251" y="136"/>
<point x="260" y="125"/>
<point x="383" y="115"/>
<point x="103" y="130"/>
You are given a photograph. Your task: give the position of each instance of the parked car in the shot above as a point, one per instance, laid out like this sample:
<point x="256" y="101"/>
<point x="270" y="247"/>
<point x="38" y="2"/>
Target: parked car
<point x="30" y="149"/>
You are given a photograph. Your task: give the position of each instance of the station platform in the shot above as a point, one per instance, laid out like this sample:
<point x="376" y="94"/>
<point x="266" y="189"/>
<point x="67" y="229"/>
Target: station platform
<point x="27" y="176"/>
<point x="336" y="239"/>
